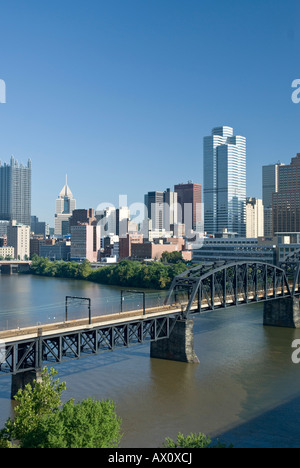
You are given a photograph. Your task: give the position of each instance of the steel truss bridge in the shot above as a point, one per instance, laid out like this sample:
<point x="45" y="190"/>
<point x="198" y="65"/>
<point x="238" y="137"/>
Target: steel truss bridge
<point x="202" y="288"/>
<point x="221" y="285"/>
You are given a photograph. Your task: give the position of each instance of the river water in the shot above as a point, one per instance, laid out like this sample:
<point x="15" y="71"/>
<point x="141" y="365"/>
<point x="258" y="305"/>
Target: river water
<point x="245" y="391"/>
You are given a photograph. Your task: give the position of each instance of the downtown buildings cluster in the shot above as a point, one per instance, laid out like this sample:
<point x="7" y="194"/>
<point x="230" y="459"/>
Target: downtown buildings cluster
<point x="213" y="222"/>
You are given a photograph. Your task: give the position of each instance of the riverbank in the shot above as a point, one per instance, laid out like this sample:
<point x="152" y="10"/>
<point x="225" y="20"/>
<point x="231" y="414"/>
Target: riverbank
<point x="127" y="273"/>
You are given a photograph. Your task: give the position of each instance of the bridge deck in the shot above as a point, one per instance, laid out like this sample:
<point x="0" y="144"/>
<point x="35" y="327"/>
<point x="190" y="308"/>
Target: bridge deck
<point x="79" y="324"/>
<point x="117" y="318"/>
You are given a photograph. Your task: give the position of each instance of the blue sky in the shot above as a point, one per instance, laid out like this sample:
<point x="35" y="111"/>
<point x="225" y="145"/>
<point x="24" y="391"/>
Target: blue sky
<point x="119" y="94"/>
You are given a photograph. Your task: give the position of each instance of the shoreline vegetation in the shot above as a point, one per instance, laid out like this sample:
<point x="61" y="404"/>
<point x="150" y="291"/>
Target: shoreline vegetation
<point x="129" y="273"/>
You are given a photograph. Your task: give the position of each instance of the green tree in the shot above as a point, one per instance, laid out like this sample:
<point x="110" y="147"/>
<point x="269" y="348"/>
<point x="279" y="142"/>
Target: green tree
<point x="88" y="424"/>
<point x="41" y="421"/>
<point x="171" y="257"/>
<point x="34" y="402"/>
<point x="192" y="441"/>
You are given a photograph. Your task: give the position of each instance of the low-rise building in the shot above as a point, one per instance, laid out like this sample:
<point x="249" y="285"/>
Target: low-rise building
<point x="57" y="251"/>
<point x="235" y="249"/>
<point x="7" y="253"/>
<point x="125" y="244"/>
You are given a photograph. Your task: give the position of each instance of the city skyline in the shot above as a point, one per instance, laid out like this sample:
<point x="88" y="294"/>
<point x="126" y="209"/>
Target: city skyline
<point x="120" y="86"/>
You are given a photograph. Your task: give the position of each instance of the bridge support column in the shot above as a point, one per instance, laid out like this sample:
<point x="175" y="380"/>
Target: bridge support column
<point x="179" y="346"/>
<point x="6" y="269"/>
<point x="282" y="312"/>
<point x="19" y="381"/>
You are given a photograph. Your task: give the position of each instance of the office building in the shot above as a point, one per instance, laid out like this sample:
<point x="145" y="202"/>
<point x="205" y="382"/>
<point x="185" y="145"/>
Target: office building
<point x="39" y="227"/>
<point x="254" y="218"/>
<point x="269" y="186"/>
<point x="286" y="202"/>
<point x="122" y="221"/>
<point x="15" y="192"/>
<point x="170" y="210"/>
<point x="162" y="210"/>
<point x="189" y="201"/>
<point x="57" y="251"/>
<point x="18" y="237"/>
<point x="126" y="242"/>
<point x="154" y="203"/>
<point x="224" y="185"/>
<point x="7" y="253"/>
<point x="85" y="242"/>
<point x="83" y="216"/>
<point x="65" y="205"/>
<point x="235" y="249"/>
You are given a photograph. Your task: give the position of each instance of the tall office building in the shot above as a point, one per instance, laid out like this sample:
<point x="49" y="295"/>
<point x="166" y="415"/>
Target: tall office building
<point x="65" y="205"/>
<point x="122" y="221"/>
<point x="286" y="202"/>
<point x="85" y="243"/>
<point x="15" y="192"/>
<point x="18" y="237"/>
<point x="269" y="186"/>
<point x="254" y="218"/>
<point x="170" y="210"/>
<point x="224" y="182"/>
<point x="154" y="202"/>
<point x="189" y="200"/>
<point x="162" y="209"/>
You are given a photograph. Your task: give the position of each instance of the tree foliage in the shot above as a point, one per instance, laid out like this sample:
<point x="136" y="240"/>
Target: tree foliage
<point x="41" y="421"/>
<point x="171" y="257"/>
<point x="192" y="441"/>
<point x="126" y="273"/>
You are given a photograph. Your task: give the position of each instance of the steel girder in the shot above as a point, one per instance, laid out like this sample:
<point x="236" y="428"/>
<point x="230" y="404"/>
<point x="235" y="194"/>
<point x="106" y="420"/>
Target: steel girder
<point x="216" y="285"/>
<point x="292" y="270"/>
<point x="31" y="354"/>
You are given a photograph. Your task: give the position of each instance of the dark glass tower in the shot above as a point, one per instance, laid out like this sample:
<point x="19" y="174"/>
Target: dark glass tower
<point x="15" y="192"/>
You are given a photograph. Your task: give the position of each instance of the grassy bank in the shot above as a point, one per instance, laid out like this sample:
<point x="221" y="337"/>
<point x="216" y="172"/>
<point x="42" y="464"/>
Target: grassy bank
<point x="127" y="273"/>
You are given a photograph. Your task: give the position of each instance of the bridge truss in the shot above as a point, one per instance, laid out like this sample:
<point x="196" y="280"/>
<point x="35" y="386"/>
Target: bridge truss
<point x="215" y="285"/>
<point x="24" y="355"/>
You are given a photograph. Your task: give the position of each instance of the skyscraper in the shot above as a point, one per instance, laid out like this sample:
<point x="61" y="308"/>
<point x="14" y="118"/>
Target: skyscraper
<point x="269" y="186"/>
<point x="162" y="209"/>
<point x="15" y="192"/>
<point x="154" y="202"/>
<point x="224" y="177"/>
<point x="254" y="218"/>
<point x="65" y="205"/>
<point x="286" y="202"/>
<point x="189" y="199"/>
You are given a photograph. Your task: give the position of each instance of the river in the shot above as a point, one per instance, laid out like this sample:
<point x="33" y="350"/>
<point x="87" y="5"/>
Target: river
<point x="245" y="391"/>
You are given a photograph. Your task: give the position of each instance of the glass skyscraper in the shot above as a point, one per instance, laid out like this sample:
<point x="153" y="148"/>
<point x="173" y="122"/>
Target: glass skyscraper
<point x="269" y="186"/>
<point x="15" y="192"/>
<point x="224" y="182"/>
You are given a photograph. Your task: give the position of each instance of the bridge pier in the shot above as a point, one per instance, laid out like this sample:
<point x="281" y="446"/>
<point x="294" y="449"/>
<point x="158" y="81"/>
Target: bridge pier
<point x="20" y="380"/>
<point x="6" y="269"/>
<point x="179" y="346"/>
<point x="282" y="312"/>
